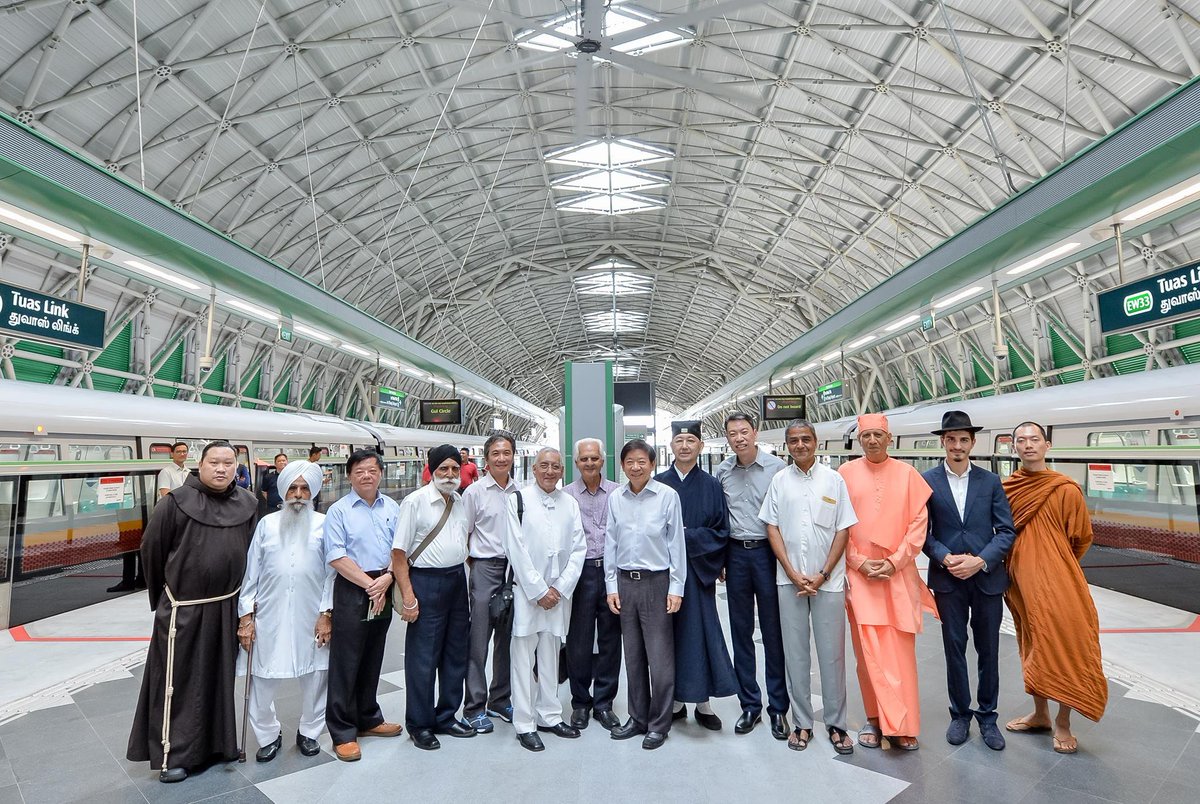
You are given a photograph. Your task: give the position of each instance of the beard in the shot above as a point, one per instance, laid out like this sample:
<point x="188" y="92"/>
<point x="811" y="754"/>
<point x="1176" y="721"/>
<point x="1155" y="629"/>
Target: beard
<point x="295" y="521"/>
<point x="446" y="485"/>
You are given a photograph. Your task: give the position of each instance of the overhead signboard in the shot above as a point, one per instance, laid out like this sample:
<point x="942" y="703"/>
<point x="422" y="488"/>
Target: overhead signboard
<point x="35" y="315"/>
<point x="1159" y="299"/>
<point x="390" y="398"/>
<point x="833" y="392"/>
<point x="783" y="408"/>
<point x="441" y="411"/>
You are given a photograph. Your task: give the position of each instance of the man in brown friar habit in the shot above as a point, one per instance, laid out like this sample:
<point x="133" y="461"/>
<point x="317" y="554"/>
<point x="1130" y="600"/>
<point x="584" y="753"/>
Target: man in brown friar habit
<point x="194" y="554"/>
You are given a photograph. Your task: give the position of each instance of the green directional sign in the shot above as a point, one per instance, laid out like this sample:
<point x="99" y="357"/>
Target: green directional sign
<point x="35" y="315"/>
<point x="1159" y="299"/>
<point x="833" y="392"/>
<point x="390" y="398"/>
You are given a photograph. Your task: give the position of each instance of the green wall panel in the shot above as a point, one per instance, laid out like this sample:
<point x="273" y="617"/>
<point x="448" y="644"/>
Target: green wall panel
<point x="29" y="370"/>
<point x="1186" y="329"/>
<point x="171" y="371"/>
<point x="1062" y="355"/>
<point x="115" y="357"/>
<point x="1127" y="342"/>
<point x="215" y="382"/>
<point x="1019" y="366"/>
<point x="253" y="388"/>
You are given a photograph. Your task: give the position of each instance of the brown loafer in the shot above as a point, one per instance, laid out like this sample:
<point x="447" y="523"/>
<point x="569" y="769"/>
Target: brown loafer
<point x="382" y="730"/>
<point x="348" y="752"/>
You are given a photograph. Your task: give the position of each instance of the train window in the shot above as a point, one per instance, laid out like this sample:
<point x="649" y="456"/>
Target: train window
<point x="925" y="443"/>
<point x="1004" y="444"/>
<point x="1179" y="437"/>
<point x="7" y="507"/>
<point x="100" y="452"/>
<point x="10" y="453"/>
<point x="1119" y="438"/>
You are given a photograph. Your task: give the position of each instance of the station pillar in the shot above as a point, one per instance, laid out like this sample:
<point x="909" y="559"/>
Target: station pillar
<point x="588" y="412"/>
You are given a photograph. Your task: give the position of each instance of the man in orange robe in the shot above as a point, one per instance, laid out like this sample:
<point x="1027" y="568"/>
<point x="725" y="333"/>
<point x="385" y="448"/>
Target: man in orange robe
<point x="1058" y="632"/>
<point x="886" y="597"/>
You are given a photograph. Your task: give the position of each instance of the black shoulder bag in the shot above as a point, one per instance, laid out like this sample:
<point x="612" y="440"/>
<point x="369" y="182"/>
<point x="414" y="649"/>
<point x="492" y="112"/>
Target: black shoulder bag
<point x="500" y="604"/>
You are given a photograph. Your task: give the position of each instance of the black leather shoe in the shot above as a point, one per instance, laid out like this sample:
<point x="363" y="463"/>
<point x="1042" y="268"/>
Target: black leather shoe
<point x="580" y="717"/>
<point x="139" y="584"/>
<point x="268" y="752"/>
<point x="653" y="740"/>
<point x="530" y="741"/>
<point x="956" y="733"/>
<point x="680" y="715"/>
<point x="631" y="729"/>
<point x="708" y="720"/>
<point x="172" y="775"/>
<point x="561" y="730"/>
<point x="307" y="745"/>
<point x="746" y="723"/>
<point x="992" y="737"/>
<point x="456" y="729"/>
<point x="779" y="727"/>
<point x="424" y="739"/>
<point x="123" y="586"/>
<point x="607" y="718"/>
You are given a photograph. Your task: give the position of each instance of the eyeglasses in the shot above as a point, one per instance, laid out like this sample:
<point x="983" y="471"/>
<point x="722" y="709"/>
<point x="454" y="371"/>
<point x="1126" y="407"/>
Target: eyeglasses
<point x="548" y="466"/>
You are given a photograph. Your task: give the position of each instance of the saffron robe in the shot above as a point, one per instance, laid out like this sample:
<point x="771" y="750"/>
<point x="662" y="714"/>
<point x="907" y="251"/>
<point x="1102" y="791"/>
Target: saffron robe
<point x="703" y="668"/>
<point x="1058" y="631"/>
<point x="885" y="615"/>
<point x="195" y="544"/>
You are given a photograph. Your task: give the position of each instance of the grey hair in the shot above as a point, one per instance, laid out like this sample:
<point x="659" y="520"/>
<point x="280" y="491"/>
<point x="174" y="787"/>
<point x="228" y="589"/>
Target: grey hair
<point x="589" y="440"/>
<point x="799" y="424"/>
<point x="543" y="450"/>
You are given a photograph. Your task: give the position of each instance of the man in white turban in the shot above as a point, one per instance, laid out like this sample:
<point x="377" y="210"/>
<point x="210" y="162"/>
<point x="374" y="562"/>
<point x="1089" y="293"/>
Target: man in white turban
<point x="285" y="610"/>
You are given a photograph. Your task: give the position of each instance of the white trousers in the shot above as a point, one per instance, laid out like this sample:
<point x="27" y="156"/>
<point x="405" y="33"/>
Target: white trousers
<point x="312" y="706"/>
<point x="546" y="710"/>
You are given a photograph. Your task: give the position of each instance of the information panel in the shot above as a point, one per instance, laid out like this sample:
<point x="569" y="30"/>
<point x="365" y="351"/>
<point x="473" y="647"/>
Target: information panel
<point x="783" y="408"/>
<point x="1159" y="299"/>
<point x="441" y="411"/>
<point x="833" y="392"/>
<point x="45" y="318"/>
<point x="390" y="398"/>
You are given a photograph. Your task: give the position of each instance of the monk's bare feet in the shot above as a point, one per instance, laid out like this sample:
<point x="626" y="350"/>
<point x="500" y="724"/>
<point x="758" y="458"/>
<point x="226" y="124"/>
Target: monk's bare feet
<point x="1064" y="740"/>
<point x="904" y="743"/>
<point x="870" y="735"/>
<point x="1030" y="723"/>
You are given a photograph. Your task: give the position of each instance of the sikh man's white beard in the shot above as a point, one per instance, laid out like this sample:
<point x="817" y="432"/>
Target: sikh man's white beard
<point x="446" y="485"/>
<point x="295" y="518"/>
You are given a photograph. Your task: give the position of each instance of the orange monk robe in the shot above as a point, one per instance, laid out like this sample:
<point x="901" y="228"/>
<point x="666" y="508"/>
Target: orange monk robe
<point x="886" y="615"/>
<point x="1058" y="632"/>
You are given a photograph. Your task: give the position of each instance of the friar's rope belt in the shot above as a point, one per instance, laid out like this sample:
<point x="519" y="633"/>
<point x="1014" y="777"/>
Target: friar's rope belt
<point x="170" y="680"/>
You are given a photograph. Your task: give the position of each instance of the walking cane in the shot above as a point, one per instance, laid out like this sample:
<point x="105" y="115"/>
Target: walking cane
<point x="246" y="697"/>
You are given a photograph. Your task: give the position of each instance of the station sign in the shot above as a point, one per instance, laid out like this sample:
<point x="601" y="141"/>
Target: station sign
<point x="441" y="411"/>
<point x="35" y="315"/>
<point x="833" y="392"/>
<point x="1165" y="297"/>
<point x="783" y="408"/>
<point x="390" y="398"/>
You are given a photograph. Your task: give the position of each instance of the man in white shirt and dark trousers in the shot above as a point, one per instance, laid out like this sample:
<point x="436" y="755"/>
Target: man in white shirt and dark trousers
<point x="428" y="552"/>
<point x="645" y="568"/>
<point x="485" y="503"/>
<point x="808" y="514"/>
<point x="545" y="545"/>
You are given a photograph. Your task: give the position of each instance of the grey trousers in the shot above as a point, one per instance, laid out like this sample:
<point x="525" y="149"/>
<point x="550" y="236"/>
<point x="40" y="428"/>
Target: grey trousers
<point x="648" y="635"/>
<point x="823" y="617"/>
<point x="486" y="577"/>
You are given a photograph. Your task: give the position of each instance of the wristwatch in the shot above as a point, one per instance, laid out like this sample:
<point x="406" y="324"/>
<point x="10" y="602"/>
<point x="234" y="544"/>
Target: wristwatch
<point x="826" y="574"/>
<point x="328" y="612"/>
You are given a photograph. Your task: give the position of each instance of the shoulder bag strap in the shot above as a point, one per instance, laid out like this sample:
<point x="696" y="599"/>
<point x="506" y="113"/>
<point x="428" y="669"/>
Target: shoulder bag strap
<point x="429" y="537"/>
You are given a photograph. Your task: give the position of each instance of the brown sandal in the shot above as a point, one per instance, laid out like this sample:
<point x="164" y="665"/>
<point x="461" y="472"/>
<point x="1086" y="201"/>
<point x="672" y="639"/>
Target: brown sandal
<point x="798" y="739"/>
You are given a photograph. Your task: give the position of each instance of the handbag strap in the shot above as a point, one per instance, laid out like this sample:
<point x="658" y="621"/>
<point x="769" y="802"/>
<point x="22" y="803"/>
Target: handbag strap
<point x="429" y="537"/>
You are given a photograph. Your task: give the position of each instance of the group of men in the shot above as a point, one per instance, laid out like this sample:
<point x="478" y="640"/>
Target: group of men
<point x="601" y="570"/>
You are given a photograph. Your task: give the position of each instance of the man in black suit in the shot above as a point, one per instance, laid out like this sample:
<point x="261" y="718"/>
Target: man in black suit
<point x="970" y="533"/>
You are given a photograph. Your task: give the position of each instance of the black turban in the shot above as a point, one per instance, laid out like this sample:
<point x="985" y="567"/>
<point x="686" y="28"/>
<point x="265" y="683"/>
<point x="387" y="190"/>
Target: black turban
<point x="690" y="426"/>
<point x="438" y="456"/>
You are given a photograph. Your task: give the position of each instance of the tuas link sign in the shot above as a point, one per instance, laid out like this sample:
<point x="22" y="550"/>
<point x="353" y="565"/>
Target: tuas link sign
<point x="1169" y="296"/>
<point x="37" y="316"/>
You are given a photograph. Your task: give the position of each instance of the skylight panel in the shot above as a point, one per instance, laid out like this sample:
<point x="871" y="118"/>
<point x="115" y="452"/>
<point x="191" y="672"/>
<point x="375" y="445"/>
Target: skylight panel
<point x="605" y="204"/>
<point x="561" y="31"/>
<point x="616" y="283"/>
<point x="615" y="322"/>
<point x="611" y="181"/>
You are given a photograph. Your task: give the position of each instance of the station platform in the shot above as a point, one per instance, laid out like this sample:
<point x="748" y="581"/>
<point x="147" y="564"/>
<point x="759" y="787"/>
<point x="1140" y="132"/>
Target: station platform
<point x="69" y="684"/>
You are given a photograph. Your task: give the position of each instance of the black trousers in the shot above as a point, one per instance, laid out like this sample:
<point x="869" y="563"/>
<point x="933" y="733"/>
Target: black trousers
<point x="594" y="676"/>
<point x="750" y="579"/>
<point x="649" y="638"/>
<point x="435" y="648"/>
<point x="967" y="604"/>
<point x="355" y="659"/>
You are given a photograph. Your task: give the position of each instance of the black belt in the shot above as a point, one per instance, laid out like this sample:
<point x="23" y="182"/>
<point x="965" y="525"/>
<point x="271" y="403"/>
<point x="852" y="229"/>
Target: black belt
<point x="594" y="562"/>
<point x="435" y="570"/>
<point x="748" y="544"/>
<point x="642" y="575"/>
<point x="491" y="558"/>
<point x="373" y="574"/>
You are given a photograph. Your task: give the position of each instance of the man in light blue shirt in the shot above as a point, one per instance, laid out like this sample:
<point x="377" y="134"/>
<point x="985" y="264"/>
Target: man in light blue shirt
<point x="358" y="544"/>
<point x="645" y="567"/>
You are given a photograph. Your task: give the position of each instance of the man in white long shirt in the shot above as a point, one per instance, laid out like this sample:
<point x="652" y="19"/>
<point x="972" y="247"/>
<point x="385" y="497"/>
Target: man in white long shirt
<point x="284" y="609"/>
<point x="545" y="546"/>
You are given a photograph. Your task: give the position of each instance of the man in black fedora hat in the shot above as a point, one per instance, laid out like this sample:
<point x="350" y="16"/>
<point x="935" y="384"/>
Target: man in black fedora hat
<point x="970" y="533"/>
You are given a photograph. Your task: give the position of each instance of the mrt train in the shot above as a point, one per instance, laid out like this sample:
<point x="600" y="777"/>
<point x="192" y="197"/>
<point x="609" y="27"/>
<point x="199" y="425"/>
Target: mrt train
<point x="78" y="471"/>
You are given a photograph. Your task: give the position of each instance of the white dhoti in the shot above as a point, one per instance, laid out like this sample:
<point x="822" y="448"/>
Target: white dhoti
<point x="265" y="722"/>
<point x="535" y="703"/>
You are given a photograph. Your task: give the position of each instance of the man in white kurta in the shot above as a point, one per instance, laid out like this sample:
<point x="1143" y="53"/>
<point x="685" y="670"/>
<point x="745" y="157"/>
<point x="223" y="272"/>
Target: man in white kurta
<point x="284" y="609"/>
<point x="545" y="545"/>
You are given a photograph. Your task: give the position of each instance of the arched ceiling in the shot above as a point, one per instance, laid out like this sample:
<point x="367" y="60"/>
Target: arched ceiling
<point x="393" y="151"/>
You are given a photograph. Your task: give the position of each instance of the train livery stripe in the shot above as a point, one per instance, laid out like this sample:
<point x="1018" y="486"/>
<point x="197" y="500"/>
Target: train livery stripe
<point x="19" y="634"/>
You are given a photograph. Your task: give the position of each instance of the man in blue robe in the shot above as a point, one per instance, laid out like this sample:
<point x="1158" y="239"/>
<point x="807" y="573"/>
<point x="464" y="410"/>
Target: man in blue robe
<point x="703" y="669"/>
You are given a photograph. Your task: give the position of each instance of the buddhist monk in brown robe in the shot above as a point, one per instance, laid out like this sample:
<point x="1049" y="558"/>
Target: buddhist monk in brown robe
<point x="1058" y="632"/>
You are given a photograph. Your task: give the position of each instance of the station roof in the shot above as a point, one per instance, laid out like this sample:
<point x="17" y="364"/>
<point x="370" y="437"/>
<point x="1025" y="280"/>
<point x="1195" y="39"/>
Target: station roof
<point x="683" y="188"/>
